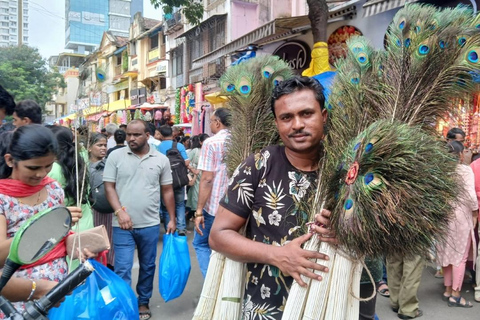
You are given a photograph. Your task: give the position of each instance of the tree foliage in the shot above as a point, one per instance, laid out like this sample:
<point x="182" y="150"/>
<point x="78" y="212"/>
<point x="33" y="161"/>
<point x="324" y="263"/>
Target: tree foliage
<point x="192" y="9"/>
<point x="24" y="74"/>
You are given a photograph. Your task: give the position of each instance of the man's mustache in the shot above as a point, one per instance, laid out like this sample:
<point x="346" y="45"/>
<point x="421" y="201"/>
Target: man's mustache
<point x="300" y="132"/>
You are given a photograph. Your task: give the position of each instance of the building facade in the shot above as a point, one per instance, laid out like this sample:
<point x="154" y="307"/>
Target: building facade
<point x="13" y="22"/>
<point x="86" y="20"/>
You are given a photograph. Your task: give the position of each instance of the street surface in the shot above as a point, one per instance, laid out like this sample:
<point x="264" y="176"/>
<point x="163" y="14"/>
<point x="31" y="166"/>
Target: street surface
<point x="429" y="294"/>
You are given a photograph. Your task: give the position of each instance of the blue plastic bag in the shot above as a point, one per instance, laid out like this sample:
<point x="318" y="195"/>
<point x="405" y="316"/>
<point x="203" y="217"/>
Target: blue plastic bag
<point x="174" y="266"/>
<point x="104" y="295"/>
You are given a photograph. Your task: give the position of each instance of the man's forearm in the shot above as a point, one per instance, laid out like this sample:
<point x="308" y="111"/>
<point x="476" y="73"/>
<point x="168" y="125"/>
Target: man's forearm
<point x="205" y="190"/>
<point x="239" y="248"/>
<point x="112" y="196"/>
<point x="169" y="202"/>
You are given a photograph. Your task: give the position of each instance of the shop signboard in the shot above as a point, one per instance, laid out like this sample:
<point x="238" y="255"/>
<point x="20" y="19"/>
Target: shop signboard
<point x="296" y="54"/>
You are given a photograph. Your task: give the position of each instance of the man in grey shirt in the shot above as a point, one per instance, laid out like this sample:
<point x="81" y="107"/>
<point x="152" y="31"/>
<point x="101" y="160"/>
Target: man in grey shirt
<point x="134" y="177"/>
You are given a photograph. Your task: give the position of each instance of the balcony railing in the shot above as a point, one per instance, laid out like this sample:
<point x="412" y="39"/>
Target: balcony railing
<point x="156" y="54"/>
<point x="175" y="19"/>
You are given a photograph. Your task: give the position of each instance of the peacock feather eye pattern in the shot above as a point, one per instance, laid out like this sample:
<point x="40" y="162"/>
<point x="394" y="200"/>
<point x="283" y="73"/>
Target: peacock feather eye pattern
<point x="267" y="71"/>
<point x="462" y="41"/>
<point x="277" y="80"/>
<point x="423" y="49"/>
<point x="244" y="86"/>
<point x="472" y="56"/>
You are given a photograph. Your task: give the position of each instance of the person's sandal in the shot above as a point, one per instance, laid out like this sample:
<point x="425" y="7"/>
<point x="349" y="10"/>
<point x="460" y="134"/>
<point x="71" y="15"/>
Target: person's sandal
<point x="146" y="314"/>
<point x="445" y="297"/>
<point x="418" y="314"/>
<point x="457" y="302"/>
<point x="383" y="292"/>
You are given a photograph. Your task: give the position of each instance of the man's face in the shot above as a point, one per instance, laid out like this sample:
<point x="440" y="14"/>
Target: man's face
<point x="300" y="121"/>
<point x="19" y="122"/>
<point x="459" y="138"/>
<point x="136" y="136"/>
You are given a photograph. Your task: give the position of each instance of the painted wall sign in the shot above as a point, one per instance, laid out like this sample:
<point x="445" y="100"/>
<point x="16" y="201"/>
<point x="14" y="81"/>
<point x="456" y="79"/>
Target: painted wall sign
<point x="296" y="54"/>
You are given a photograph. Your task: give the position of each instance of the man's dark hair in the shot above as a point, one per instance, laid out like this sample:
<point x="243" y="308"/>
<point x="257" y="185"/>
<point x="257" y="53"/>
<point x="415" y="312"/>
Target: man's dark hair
<point x="166" y="130"/>
<point x="123" y="126"/>
<point x="151" y="128"/>
<point x="6" y="102"/>
<point x="224" y="115"/>
<point x="452" y="133"/>
<point x="119" y="136"/>
<point x="298" y="83"/>
<point x="29" y="109"/>
<point x="104" y="131"/>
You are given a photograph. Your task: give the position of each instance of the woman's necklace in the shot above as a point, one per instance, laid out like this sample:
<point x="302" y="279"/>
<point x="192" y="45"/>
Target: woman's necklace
<point x="36" y="202"/>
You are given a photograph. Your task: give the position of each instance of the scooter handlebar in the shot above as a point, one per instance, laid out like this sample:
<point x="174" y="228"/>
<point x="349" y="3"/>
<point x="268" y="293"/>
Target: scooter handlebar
<point x="44" y="304"/>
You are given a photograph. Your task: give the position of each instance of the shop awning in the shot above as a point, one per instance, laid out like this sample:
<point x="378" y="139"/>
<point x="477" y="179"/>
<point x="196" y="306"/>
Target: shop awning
<point x="275" y="30"/>
<point x="206" y="24"/>
<point x="374" y="7"/>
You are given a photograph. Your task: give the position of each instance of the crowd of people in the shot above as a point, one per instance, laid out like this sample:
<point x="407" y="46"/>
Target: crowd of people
<point x="41" y="167"/>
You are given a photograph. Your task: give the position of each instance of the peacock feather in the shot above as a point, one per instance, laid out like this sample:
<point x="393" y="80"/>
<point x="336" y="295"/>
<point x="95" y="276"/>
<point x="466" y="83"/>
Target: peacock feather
<point x="387" y="179"/>
<point x="248" y="86"/>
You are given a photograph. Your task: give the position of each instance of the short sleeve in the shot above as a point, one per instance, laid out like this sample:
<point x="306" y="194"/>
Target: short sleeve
<point x="207" y="158"/>
<point x="110" y="170"/>
<point x="182" y="150"/>
<point x="241" y="189"/>
<point x="166" y="171"/>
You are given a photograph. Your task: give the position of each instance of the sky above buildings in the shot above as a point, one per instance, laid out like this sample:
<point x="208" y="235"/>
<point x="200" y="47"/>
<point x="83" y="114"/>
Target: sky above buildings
<point x="47" y="25"/>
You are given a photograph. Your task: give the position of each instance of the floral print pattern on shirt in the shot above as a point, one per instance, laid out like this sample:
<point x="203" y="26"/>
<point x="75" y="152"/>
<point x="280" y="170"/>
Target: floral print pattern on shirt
<point x="271" y="192"/>
<point x="16" y="213"/>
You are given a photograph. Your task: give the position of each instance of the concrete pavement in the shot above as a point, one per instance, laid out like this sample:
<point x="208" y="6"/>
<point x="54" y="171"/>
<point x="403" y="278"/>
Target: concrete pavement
<point x="429" y="295"/>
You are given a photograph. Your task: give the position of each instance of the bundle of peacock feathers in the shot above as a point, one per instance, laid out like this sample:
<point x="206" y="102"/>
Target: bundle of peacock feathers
<point x="388" y="180"/>
<point x="248" y="86"/>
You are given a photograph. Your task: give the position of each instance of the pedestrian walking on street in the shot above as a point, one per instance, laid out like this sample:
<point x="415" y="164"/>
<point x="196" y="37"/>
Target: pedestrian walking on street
<point x="134" y="178"/>
<point x="213" y="183"/>
<point x="452" y="253"/>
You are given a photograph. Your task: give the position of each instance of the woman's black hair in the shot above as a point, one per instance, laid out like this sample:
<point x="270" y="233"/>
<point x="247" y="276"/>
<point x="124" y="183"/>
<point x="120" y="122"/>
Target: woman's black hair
<point x="204" y="137"/>
<point x="5" y="139"/>
<point x="66" y="160"/>
<point x="95" y="137"/>
<point x="224" y="115"/>
<point x="196" y="142"/>
<point x="29" y="142"/>
<point x="455" y="147"/>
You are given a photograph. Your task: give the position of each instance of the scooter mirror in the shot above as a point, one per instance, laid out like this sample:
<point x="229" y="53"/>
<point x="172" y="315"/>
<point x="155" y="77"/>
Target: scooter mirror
<point x="39" y="235"/>
<point x="35" y="238"/>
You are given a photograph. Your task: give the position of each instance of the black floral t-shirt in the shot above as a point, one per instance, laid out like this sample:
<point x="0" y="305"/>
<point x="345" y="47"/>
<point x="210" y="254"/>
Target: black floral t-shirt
<point x="274" y="194"/>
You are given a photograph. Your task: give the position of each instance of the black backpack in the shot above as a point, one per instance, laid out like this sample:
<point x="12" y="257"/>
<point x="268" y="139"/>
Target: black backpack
<point x="179" y="169"/>
<point x="98" y="196"/>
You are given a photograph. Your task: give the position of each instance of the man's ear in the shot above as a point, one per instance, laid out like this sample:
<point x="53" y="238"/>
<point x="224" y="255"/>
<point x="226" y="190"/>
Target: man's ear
<point x="27" y="120"/>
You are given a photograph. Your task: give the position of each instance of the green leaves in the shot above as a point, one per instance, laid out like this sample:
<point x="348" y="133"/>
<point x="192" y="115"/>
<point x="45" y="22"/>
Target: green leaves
<point x="192" y="10"/>
<point x="24" y="74"/>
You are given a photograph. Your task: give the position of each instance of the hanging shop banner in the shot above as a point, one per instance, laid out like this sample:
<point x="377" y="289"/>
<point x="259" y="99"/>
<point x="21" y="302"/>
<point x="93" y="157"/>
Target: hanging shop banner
<point x="337" y="47"/>
<point x="296" y="54"/>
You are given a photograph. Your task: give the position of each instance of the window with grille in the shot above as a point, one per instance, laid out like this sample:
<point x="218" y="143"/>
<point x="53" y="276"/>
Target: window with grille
<point x="177" y="66"/>
<point x="216" y="36"/>
<point x="154" y="42"/>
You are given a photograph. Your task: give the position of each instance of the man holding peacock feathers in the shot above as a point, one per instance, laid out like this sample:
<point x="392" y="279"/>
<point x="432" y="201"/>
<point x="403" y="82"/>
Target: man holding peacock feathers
<point x="380" y="170"/>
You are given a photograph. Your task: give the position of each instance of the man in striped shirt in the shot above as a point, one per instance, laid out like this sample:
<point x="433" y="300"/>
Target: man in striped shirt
<point x="213" y="183"/>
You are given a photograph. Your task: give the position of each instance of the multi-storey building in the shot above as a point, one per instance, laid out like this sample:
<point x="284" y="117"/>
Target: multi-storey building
<point x="13" y="22"/>
<point x="86" y="20"/>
